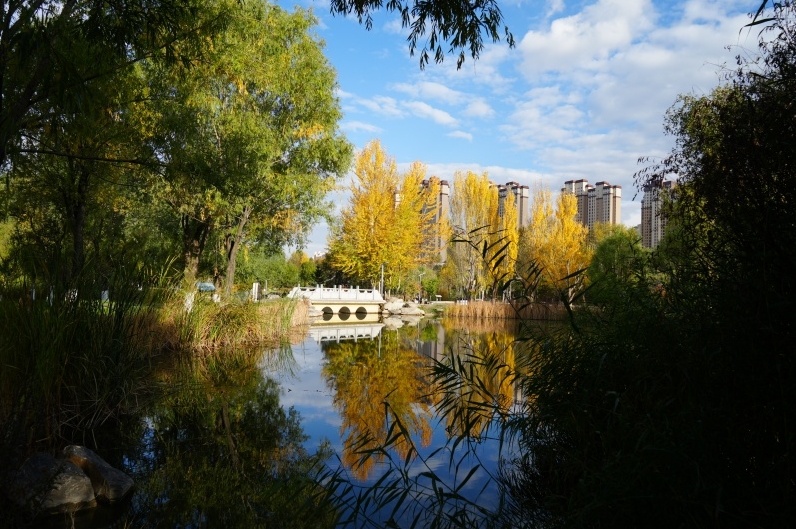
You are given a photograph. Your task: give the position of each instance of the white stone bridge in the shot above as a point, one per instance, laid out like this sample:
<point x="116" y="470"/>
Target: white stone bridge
<point x="344" y="302"/>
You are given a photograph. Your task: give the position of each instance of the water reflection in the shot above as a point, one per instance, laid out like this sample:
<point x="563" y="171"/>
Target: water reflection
<point x="473" y="397"/>
<point x="370" y="380"/>
<point x="218" y="450"/>
<point x="373" y="384"/>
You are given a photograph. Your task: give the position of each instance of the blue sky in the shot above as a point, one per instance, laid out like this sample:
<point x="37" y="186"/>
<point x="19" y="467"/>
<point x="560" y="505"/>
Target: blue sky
<point x="582" y="95"/>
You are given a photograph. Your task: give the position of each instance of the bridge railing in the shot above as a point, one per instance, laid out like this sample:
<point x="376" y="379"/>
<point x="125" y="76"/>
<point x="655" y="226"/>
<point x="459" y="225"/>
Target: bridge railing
<point x="320" y="293"/>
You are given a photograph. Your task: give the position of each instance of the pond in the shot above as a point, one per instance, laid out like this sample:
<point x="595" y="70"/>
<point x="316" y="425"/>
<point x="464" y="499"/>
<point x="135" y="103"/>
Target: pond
<point x="234" y="437"/>
<point x="345" y="381"/>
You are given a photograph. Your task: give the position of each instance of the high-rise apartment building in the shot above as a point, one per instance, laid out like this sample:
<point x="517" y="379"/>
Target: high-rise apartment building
<point x="653" y="222"/>
<point x="521" y="195"/>
<point x="601" y="202"/>
<point x="437" y="244"/>
<point x="441" y="210"/>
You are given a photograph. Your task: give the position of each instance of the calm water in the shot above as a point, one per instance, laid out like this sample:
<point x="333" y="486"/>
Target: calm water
<point x="340" y="377"/>
<point x="228" y="432"/>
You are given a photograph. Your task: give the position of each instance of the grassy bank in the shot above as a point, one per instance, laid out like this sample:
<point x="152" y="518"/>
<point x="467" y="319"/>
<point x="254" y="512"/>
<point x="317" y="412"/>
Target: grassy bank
<point x="209" y="325"/>
<point x="70" y="365"/>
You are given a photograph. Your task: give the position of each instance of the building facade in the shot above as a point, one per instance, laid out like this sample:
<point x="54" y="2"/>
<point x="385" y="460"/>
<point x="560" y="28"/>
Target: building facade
<point x="601" y="202"/>
<point x="437" y="244"/>
<point x="521" y="196"/>
<point x="653" y="222"/>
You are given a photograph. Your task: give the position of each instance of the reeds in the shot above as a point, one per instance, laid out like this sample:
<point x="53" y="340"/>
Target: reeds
<point x="510" y="311"/>
<point x="209" y="324"/>
<point x="70" y="360"/>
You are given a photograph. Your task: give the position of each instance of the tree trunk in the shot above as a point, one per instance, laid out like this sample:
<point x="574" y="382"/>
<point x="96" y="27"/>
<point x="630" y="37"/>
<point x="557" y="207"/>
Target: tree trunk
<point x="75" y="198"/>
<point x="232" y="245"/>
<point x="194" y="238"/>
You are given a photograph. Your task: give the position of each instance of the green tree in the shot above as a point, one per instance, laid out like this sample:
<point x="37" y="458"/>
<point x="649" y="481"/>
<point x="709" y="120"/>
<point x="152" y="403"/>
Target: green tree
<point x="54" y="51"/>
<point x="459" y="24"/>
<point x="77" y="171"/>
<point x="618" y="260"/>
<point x="251" y="145"/>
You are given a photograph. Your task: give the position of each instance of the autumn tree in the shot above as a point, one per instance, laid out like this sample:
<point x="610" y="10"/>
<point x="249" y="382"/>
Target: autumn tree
<point x="474" y="219"/>
<point x="386" y="223"/>
<point x="557" y="243"/>
<point x="505" y="238"/>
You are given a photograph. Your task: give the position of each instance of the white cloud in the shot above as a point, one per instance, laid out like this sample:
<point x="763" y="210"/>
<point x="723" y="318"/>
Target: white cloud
<point x="586" y="38"/>
<point x="553" y="7"/>
<point x="460" y="134"/>
<point x="395" y="27"/>
<point x="432" y="90"/>
<point x="446" y="171"/>
<point x="426" y="111"/>
<point x="479" y="109"/>
<point x="386" y="106"/>
<point x="599" y="82"/>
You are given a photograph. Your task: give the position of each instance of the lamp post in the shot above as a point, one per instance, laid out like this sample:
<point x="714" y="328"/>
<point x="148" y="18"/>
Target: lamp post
<point x="420" y="278"/>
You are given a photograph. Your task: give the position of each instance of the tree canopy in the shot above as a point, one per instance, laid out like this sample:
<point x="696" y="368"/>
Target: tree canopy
<point x="388" y="221"/>
<point x="460" y="24"/>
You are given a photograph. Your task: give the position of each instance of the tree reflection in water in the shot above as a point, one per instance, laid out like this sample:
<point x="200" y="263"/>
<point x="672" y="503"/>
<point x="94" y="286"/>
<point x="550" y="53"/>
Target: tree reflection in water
<point x="388" y="396"/>
<point x="219" y="451"/>
<point x="471" y="399"/>
<point x="374" y="383"/>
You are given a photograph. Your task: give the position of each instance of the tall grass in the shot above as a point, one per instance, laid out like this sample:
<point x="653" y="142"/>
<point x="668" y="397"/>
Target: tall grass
<point x="236" y="323"/>
<point x="503" y="310"/>
<point x="69" y="360"/>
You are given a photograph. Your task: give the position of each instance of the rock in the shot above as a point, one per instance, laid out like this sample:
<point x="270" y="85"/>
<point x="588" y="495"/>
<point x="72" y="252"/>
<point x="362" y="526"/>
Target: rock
<point x="393" y="305"/>
<point x="412" y="310"/>
<point x="109" y="484"/>
<point x="45" y="484"/>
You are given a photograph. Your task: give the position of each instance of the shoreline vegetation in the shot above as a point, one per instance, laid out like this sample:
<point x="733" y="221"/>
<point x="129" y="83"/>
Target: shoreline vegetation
<point x="74" y="369"/>
<point x="74" y="364"/>
<point x="498" y="310"/>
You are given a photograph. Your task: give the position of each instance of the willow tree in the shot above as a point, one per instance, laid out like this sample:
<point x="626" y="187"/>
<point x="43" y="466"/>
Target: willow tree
<point x="386" y="222"/>
<point x="250" y="139"/>
<point x="54" y="50"/>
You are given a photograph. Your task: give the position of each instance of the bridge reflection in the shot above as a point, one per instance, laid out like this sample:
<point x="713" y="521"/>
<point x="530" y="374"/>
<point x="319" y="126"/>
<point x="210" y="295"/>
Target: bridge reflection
<point x="336" y="333"/>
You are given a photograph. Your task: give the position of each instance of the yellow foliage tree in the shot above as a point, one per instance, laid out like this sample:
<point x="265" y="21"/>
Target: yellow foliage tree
<point x="474" y="208"/>
<point x="387" y="221"/>
<point x="480" y="217"/>
<point x="505" y="239"/>
<point x="557" y="242"/>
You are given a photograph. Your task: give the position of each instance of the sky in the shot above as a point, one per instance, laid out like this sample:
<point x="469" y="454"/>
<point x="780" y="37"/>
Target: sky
<point x="583" y="94"/>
